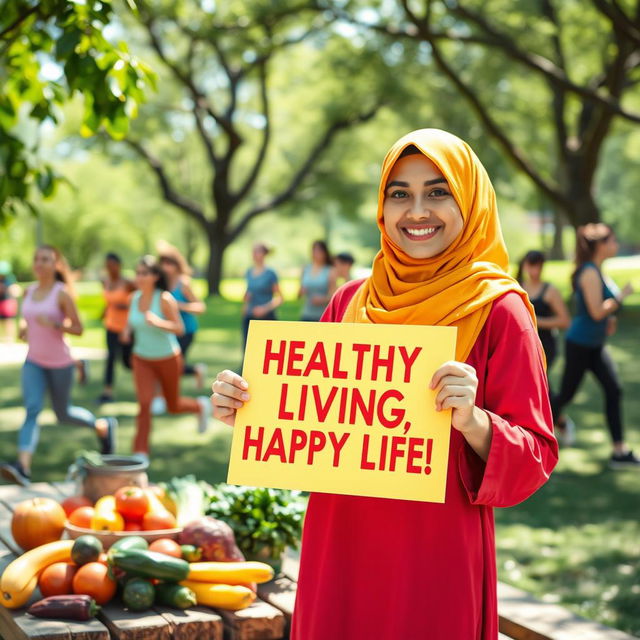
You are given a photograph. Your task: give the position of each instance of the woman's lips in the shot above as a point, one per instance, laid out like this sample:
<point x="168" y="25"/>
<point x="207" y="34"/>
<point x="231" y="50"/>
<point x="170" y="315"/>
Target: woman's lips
<point x="420" y="233"/>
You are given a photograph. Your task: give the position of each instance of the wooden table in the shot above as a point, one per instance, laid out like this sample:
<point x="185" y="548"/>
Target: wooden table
<point x="522" y="617"/>
<point x="260" y="621"/>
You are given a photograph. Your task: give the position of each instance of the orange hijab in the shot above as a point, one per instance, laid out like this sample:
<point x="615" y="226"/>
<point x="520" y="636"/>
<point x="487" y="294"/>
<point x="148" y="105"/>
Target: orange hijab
<point x="456" y="287"/>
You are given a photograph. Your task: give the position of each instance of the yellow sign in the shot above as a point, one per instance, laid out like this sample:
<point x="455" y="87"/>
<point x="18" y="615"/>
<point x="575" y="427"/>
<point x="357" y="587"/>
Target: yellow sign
<point x="344" y="408"/>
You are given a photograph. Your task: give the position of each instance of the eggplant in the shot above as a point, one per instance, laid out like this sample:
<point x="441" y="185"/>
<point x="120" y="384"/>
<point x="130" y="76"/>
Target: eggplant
<point x="69" y="607"/>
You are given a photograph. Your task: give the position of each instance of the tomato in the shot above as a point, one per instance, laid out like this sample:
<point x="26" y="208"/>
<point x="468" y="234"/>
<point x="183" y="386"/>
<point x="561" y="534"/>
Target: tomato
<point x="132" y="502"/>
<point x="72" y="503"/>
<point x="158" y="521"/>
<point x="82" y="517"/>
<point x="57" y="579"/>
<point x="130" y="525"/>
<point x="93" y="580"/>
<point x="167" y="546"/>
<point x="107" y="521"/>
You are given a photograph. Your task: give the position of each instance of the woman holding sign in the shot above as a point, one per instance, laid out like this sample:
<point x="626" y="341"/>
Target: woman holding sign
<point x="389" y="569"/>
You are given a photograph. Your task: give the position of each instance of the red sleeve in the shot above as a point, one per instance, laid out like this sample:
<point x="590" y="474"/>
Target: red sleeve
<point x="340" y="301"/>
<point x="523" y="448"/>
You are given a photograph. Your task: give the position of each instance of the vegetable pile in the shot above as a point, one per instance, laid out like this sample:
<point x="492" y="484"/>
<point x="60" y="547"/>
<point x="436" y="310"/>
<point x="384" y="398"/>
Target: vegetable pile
<point x="260" y="518"/>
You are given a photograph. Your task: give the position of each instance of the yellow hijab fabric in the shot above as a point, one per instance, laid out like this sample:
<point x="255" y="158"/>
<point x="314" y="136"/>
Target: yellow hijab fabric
<point x="456" y="287"/>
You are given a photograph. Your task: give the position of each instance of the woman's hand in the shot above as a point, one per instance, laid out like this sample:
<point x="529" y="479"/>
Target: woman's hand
<point x="229" y="395"/>
<point x="152" y="318"/>
<point x="626" y="291"/>
<point x="260" y="311"/>
<point x="612" y="325"/>
<point x="125" y="336"/>
<point x="456" y="384"/>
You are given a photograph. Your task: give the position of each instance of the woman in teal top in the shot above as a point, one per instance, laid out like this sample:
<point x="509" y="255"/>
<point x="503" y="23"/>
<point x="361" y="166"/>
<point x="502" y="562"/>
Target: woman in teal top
<point x="157" y="360"/>
<point x="318" y="282"/>
<point x="594" y="320"/>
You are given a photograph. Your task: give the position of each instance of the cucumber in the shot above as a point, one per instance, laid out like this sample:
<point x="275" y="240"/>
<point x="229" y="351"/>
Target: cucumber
<point x="175" y="595"/>
<point x="130" y="542"/>
<point x="138" y="594"/>
<point x="150" y="564"/>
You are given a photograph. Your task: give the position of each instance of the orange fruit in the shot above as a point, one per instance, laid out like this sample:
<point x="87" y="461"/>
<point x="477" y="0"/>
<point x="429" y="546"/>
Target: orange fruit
<point x="93" y="579"/>
<point x="82" y="516"/>
<point x="167" y="546"/>
<point x="57" y="579"/>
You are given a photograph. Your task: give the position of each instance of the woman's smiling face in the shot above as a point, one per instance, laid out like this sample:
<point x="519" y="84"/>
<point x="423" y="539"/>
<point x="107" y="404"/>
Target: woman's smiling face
<point x="420" y="214"/>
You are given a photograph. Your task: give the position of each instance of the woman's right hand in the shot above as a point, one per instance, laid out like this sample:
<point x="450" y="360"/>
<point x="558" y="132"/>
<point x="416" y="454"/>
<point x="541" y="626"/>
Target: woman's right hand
<point x="626" y="291"/>
<point x="229" y="393"/>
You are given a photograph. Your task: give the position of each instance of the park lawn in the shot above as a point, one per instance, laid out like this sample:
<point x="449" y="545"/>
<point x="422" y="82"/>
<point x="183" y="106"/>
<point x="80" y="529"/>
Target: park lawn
<point x="576" y="542"/>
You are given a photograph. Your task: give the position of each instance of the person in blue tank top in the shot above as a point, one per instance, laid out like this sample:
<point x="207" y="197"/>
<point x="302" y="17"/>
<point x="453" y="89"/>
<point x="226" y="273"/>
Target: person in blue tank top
<point x="318" y="282"/>
<point x="157" y="360"/>
<point x="263" y="295"/>
<point x="594" y="320"/>
<point x="178" y="273"/>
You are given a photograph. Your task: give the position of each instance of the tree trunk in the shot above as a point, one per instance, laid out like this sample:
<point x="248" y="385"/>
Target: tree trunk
<point x="217" y="245"/>
<point x="557" y="249"/>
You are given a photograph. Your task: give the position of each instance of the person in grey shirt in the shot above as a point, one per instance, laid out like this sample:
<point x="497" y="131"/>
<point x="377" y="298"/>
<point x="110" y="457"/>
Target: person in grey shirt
<point x="318" y="282"/>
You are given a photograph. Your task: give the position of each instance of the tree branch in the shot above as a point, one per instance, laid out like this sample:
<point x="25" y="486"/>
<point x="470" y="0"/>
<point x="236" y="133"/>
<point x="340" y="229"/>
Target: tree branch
<point x="620" y="20"/>
<point x="303" y="171"/>
<point x="491" y="125"/>
<point x="168" y="192"/>
<point x="19" y="20"/>
<point x="266" y="136"/>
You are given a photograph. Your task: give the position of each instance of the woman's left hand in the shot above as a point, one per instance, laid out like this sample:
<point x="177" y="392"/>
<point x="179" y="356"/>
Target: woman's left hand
<point x="456" y="384"/>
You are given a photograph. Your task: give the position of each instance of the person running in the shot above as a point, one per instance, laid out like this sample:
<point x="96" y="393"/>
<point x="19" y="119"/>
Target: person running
<point x="343" y="262"/>
<point x="263" y="296"/>
<point x="178" y="274"/>
<point x="48" y="312"/>
<point x="412" y="569"/>
<point x="585" y="350"/>
<point x="155" y="321"/>
<point x="116" y="291"/>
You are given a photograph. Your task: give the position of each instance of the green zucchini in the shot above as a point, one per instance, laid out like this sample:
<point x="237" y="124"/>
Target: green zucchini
<point x="175" y="595"/>
<point x="150" y="564"/>
<point x="130" y="542"/>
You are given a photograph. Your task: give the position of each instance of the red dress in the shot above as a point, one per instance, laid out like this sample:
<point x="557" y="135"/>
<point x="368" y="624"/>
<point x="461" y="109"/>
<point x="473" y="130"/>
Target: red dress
<point x="380" y="569"/>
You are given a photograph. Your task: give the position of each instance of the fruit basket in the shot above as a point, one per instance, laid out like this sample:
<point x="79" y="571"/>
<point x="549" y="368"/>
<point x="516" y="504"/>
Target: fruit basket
<point x="109" y="537"/>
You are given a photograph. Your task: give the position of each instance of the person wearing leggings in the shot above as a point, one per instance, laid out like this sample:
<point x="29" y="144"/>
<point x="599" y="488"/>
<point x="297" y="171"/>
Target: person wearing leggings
<point x="116" y="291"/>
<point x="155" y="320"/>
<point x="48" y="312"/>
<point x="594" y="320"/>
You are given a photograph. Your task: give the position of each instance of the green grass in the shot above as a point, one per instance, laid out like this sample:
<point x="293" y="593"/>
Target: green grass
<point x="577" y="541"/>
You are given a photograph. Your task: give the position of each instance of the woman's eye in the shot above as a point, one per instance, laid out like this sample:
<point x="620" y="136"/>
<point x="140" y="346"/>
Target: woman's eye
<point x="398" y="194"/>
<point x="439" y="193"/>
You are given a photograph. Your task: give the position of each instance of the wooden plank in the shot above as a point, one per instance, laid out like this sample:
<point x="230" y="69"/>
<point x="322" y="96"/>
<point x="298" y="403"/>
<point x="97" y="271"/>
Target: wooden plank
<point x="522" y="617"/>
<point x="130" y="625"/>
<point x="13" y="494"/>
<point x="66" y="488"/>
<point x="260" y="621"/>
<point x="16" y="623"/>
<point x="197" y="622"/>
<point x="281" y="594"/>
<point x="5" y="530"/>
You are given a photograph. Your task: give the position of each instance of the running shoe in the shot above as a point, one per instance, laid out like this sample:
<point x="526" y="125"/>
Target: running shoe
<point x="626" y="460"/>
<point x="205" y="413"/>
<point x="108" y="441"/>
<point x="13" y="472"/>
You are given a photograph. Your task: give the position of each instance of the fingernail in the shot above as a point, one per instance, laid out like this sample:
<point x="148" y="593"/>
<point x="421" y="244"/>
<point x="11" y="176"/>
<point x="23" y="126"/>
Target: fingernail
<point x="245" y="396"/>
<point x="244" y="384"/>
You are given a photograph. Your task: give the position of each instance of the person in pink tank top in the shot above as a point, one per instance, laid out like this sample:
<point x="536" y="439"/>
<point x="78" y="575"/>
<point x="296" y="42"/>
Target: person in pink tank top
<point x="48" y="312"/>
